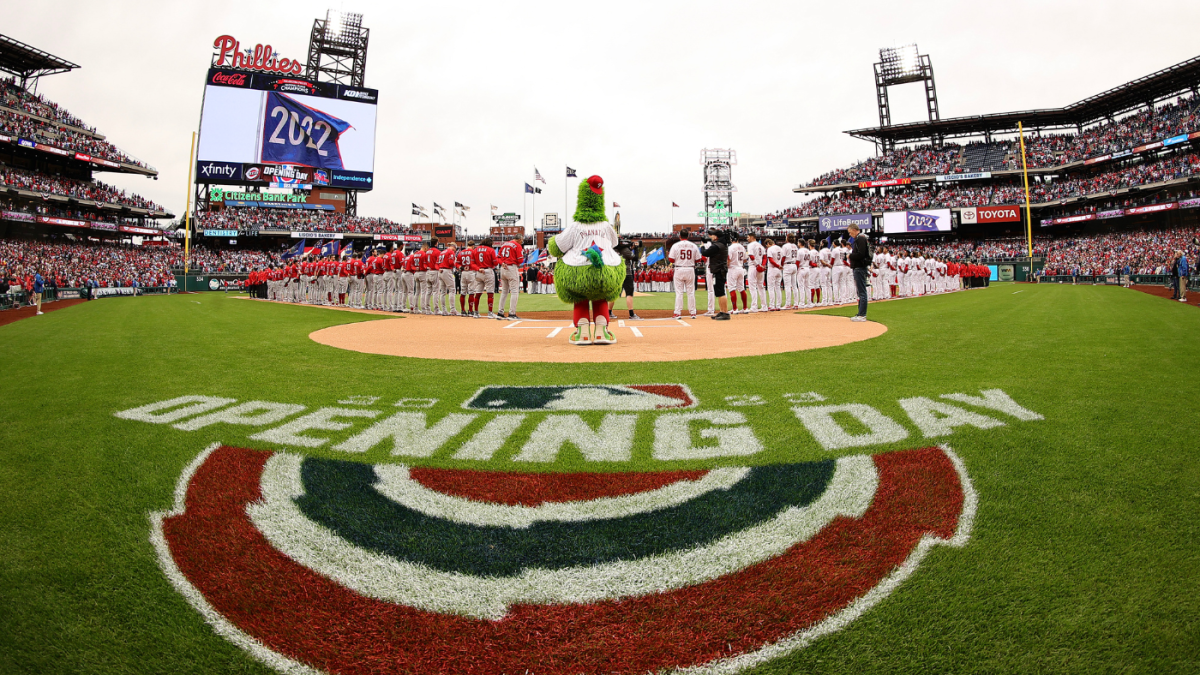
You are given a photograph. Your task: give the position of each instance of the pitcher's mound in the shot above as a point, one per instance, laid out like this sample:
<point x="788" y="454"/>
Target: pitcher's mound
<point x="540" y="340"/>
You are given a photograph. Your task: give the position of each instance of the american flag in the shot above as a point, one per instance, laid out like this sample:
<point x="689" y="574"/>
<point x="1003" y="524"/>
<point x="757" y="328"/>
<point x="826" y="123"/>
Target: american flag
<point x="537" y="175"/>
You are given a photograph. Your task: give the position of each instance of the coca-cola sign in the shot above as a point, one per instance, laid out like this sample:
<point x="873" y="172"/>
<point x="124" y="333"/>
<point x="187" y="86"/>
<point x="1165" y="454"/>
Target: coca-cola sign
<point x="264" y="58"/>
<point x="228" y="79"/>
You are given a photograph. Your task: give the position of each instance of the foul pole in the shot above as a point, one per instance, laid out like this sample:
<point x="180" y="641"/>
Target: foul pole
<point x="1028" y="212"/>
<point x="187" y="210"/>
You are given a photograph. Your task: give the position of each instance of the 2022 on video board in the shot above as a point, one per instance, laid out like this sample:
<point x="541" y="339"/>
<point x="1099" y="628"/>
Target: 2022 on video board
<point x="252" y="119"/>
<point x="909" y="222"/>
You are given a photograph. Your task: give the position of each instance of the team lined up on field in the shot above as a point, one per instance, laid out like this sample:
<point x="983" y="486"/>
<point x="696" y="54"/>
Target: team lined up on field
<point x="421" y="281"/>
<point x="770" y="277"/>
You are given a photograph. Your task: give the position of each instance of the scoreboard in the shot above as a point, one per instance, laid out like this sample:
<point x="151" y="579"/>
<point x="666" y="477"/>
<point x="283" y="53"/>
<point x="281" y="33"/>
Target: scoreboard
<point x="270" y="128"/>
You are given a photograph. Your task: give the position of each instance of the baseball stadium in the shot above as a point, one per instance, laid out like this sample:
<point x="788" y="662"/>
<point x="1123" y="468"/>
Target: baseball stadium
<point x="930" y="412"/>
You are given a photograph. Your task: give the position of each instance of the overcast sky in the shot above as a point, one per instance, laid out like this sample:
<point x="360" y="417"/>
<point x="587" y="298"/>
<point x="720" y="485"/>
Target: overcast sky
<point x="473" y="95"/>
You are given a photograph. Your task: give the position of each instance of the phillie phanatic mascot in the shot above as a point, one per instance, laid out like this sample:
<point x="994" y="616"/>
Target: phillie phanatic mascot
<point x="589" y="272"/>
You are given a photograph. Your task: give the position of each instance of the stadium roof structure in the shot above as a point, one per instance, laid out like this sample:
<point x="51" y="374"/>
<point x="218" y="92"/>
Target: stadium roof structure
<point x="1144" y="91"/>
<point x="28" y="62"/>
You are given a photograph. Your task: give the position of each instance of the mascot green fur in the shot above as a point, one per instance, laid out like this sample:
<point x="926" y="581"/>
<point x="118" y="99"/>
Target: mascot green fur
<point x="589" y="272"/>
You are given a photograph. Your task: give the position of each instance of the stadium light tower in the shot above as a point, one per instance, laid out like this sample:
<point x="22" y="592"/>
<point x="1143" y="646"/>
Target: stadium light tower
<point x="337" y="49"/>
<point x="718" y="185"/>
<point x="902" y="65"/>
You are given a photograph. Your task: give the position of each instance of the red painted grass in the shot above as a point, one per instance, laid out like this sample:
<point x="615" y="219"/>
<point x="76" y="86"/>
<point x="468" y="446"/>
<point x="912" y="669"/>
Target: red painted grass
<point x="310" y="618"/>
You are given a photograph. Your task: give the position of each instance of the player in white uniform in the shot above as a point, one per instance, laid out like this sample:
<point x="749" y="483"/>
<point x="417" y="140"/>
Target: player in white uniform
<point x="841" y="271"/>
<point x="711" y="305"/>
<point x="758" y="267"/>
<point x="791" y="256"/>
<point x="801" y="274"/>
<point x="774" y="276"/>
<point x="825" y="265"/>
<point x="683" y="255"/>
<point x="735" y="280"/>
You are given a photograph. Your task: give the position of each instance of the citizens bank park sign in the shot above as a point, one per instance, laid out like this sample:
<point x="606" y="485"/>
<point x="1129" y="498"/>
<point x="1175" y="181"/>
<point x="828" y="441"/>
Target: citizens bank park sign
<point x="334" y="564"/>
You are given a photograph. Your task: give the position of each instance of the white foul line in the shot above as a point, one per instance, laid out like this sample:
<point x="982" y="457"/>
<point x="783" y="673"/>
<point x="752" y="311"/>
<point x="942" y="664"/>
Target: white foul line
<point x="636" y="332"/>
<point x="554" y="332"/>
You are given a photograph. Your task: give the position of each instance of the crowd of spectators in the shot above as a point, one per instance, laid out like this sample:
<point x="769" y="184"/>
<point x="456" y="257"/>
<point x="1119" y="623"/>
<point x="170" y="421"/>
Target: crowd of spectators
<point x="15" y="124"/>
<point x="20" y="99"/>
<point x="1041" y="150"/>
<point x="80" y="189"/>
<point x="226" y="261"/>
<point x="296" y="220"/>
<point x="1009" y="191"/>
<point x="1141" y="252"/>
<point x="76" y="264"/>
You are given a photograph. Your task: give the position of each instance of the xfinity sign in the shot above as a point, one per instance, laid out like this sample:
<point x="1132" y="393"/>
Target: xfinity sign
<point x="217" y="171"/>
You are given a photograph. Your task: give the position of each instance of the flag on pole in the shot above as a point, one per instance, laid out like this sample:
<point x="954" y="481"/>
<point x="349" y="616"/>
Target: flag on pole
<point x="494" y="207"/>
<point x="459" y="205"/>
<point x="537" y="175"/>
<point x="616" y="205"/>
<point x="296" y="250"/>
<point x="655" y="256"/>
<point x="528" y="189"/>
<point x="571" y="173"/>
<point x="537" y="190"/>
<point x="348" y="250"/>
<point x="674" y="205"/>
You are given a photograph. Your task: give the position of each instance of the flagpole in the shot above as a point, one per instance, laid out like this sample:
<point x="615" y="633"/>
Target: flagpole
<point x="187" y="212"/>
<point x="566" y="194"/>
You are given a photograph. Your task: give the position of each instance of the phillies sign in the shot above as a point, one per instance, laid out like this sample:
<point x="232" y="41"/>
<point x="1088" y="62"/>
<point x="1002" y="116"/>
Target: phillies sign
<point x="262" y="58"/>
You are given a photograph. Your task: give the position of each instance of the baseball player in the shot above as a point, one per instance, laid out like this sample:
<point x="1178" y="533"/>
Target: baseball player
<point x="758" y="267"/>
<point x="736" y="277"/>
<point x="683" y="255"/>
<point x="509" y="257"/>
<point x="429" y="262"/>
<point x="840" y="272"/>
<point x="791" y="257"/>
<point x="774" y="275"/>
<point x="466" y="278"/>
<point x="483" y="261"/>
<point x="444" y="300"/>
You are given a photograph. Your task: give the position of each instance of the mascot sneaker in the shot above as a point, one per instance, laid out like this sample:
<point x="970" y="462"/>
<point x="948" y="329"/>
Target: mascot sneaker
<point x="582" y="334"/>
<point x="604" y="336"/>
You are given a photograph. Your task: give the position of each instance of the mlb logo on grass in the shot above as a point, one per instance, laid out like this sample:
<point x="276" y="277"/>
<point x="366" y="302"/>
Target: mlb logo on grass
<point x="634" y="397"/>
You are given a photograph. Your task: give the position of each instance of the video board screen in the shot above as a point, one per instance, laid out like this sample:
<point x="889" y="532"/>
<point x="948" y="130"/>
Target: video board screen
<point x="915" y="222"/>
<point x="265" y="128"/>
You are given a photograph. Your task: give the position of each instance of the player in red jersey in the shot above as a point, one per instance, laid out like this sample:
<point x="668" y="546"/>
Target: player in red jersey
<point x="509" y="257"/>
<point x="429" y="261"/>
<point x="466" y="277"/>
<point x="483" y="261"/>
<point x="445" y="297"/>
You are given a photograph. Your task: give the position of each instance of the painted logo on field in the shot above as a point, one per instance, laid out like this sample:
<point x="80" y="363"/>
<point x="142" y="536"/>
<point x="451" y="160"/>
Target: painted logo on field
<point x="336" y="566"/>
<point x="631" y="397"/>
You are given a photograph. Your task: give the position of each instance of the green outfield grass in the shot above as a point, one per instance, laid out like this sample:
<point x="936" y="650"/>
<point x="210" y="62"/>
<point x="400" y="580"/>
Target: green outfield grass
<point x="1083" y="558"/>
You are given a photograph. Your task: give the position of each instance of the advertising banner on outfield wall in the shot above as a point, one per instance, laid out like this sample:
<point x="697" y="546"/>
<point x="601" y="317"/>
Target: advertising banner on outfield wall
<point x="964" y="176"/>
<point x="884" y="183"/>
<point x="915" y="222"/>
<point x="990" y="214"/>
<point x="1105" y="215"/>
<point x="317" y="235"/>
<point x="844" y="221"/>
<point x="1068" y="219"/>
<point x="399" y="237"/>
<point x="1153" y="208"/>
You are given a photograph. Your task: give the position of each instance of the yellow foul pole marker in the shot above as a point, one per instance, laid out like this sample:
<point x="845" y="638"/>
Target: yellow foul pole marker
<point x="1028" y="215"/>
<point x="187" y="210"/>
